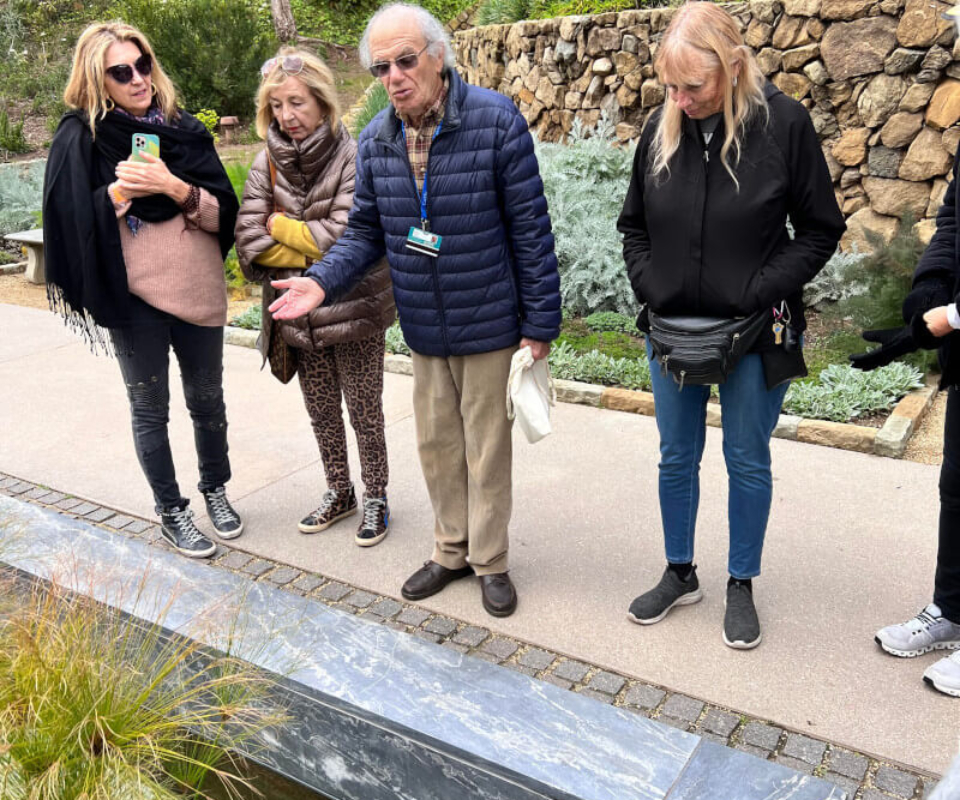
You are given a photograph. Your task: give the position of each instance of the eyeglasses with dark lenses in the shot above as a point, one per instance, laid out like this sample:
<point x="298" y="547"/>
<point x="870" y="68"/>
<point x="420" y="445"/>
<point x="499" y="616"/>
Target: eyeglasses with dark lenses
<point x="123" y="73"/>
<point x="292" y="65"/>
<point x="404" y="63"/>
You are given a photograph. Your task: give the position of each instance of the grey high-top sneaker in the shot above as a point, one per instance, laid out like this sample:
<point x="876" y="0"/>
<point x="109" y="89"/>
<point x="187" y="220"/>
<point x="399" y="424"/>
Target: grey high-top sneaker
<point x="179" y="529"/>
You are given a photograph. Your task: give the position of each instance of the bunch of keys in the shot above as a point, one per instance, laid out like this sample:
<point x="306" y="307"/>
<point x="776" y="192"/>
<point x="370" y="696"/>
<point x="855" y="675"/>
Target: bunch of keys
<point x="781" y="318"/>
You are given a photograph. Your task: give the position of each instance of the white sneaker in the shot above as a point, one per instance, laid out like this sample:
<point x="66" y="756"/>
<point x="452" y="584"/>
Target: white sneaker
<point x="944" y="676"/>
<point x="925" y="632"/>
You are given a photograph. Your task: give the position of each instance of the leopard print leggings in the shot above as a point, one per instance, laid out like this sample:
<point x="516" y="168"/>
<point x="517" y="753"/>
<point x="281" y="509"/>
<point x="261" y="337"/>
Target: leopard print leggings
<point x="355" y="371"/>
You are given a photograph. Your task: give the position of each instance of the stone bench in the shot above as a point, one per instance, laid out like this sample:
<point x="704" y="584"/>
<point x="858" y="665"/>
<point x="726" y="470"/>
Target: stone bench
<point x="32" y="242"/>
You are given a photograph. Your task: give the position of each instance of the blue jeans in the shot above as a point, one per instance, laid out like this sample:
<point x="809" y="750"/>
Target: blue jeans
<point x="750" y="414"/>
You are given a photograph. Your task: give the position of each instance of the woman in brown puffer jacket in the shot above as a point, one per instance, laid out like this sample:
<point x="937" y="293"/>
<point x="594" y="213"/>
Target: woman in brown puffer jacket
<point x="295" y="205"/>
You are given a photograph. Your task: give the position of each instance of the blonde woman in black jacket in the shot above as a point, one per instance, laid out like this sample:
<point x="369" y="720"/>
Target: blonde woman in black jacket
<point x="718" y="171"/>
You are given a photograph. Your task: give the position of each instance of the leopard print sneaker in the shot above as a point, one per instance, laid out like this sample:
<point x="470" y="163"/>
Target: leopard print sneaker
<point x="334" y="506"/>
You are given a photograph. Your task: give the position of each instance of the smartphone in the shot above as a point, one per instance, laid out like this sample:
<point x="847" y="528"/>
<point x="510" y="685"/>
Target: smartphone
<point x="145" y="143"/>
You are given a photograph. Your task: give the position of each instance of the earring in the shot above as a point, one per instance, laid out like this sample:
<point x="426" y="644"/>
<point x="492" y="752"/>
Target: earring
<point x="734" y="81"/>
<point x="153" y="89"/>
<point x="110" y="104"/>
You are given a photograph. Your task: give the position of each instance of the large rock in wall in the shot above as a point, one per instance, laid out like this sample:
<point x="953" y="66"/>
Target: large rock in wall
<point x="880" y="78"/>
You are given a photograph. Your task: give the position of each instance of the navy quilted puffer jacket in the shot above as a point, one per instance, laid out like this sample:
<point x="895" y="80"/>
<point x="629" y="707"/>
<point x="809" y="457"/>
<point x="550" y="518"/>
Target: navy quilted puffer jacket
<point x="496" y="277"/>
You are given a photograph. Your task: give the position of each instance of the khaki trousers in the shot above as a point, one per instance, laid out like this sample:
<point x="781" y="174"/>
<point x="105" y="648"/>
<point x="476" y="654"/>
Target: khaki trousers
<point x="463" y="437"/>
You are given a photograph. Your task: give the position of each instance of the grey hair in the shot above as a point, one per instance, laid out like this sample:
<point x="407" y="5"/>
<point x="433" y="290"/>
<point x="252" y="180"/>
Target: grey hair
<point x="433" y="31"/>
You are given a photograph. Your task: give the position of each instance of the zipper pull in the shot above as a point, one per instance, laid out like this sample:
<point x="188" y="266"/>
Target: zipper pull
<point x="706" y="156"/>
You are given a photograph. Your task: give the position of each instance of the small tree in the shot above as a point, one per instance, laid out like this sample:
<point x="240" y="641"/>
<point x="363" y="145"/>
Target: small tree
<point x="283" y="22"/>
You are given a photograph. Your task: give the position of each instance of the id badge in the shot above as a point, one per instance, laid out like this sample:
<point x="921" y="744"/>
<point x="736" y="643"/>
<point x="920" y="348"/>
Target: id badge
<point x="424" y="242"/>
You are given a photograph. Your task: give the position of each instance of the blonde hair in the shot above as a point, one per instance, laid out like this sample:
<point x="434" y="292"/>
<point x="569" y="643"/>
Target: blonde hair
<point x="710" y="32"/>
<point x="86" y="90"/>
<point x="315" y="75"/>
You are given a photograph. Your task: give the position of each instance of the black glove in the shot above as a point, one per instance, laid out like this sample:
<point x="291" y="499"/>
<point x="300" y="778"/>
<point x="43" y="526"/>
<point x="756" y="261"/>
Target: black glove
<point x="895" y="342"/>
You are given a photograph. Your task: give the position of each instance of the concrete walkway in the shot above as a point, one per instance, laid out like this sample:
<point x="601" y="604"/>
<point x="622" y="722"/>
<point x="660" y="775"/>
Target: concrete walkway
<point x="850" y="547"/>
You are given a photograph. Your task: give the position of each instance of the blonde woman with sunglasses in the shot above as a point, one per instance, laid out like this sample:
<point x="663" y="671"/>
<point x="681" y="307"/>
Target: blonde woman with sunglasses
<point x="295" y="205"/>
<point x="134" y="258"/>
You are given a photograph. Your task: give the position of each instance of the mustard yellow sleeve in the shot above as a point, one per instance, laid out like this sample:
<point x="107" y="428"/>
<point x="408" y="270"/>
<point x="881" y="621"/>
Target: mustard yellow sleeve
<point x="281" y="256"/>
<point x="294" y="233"/>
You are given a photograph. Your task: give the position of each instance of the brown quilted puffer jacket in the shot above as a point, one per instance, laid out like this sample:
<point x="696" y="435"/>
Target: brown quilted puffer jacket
<point x="315" y="180"/>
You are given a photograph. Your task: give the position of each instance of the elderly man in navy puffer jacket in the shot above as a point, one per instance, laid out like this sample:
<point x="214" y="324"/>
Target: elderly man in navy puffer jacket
<point x="449" y="188"/>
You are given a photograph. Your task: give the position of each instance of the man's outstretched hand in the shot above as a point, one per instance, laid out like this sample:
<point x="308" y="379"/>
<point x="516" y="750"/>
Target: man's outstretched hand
<point x="302" y="296"/>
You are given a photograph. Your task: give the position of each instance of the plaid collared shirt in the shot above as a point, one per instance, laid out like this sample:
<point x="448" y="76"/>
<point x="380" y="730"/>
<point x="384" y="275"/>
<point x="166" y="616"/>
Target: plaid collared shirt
<point x="420" y="139"/>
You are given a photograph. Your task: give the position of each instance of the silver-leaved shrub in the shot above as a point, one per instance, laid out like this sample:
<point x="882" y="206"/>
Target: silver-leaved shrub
<point x="21" y="195"/>
<point x="844" y="393"/>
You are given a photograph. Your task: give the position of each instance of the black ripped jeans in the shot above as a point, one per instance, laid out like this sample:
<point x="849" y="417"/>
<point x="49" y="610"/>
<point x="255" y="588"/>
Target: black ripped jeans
<point x="143" y="351"/>
<point x="947" y="584"/>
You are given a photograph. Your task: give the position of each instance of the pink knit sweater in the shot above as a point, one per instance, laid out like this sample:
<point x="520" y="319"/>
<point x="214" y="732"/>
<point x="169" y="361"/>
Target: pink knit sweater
<point x="176" y="265"/>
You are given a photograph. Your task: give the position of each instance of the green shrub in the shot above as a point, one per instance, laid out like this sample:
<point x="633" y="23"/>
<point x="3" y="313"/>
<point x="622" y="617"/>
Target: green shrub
<point x="343" y="21"/>
<point x="500" y="12"/>
<point x="250" y="320"/>
<point x="375" y="100"/>
<point x="212" y="49"/>
<point x="585" y="182"/>
<point x="21" y="195"/>
<point x="11" y="135"/>
<point x="238" y="171"/>
<point x="232" y="272"/>
<point x="611" y="321"/>
<point x="844" y="393"/>
<point x="596" y="367"/>
<point x="395" y="341"/>
<point x="210" y="120"/>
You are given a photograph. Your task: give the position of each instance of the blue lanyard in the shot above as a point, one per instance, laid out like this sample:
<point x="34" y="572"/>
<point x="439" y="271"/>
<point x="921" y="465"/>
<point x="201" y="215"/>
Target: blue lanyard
<point x="423" y="195"/>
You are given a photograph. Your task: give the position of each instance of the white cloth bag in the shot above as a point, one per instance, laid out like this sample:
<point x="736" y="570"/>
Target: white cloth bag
<point x="530" y="393"/>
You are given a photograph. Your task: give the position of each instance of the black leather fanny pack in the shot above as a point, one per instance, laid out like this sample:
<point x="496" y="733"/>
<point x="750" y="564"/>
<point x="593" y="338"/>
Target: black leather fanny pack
<point x="703" y="350"/>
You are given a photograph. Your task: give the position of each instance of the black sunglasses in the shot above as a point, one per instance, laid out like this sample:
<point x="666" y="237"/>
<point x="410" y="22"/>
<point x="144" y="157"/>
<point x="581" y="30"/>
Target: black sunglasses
<point x="404" y="63"/>
<point x="123" y="73"/>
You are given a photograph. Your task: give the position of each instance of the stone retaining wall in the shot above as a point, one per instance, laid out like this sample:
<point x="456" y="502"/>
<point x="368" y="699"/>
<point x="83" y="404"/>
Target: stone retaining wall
<point x="880" y="78"/>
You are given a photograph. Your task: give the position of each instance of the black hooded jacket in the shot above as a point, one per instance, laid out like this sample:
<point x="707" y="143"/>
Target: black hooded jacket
<point x="696" y="244"/>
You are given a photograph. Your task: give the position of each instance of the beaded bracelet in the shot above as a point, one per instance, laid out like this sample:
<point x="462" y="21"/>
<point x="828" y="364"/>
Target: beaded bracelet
<point x="192" y="203"/>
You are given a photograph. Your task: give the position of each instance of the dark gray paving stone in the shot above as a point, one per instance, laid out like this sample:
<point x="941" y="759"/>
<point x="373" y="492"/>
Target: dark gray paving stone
<point x="137" y="527"/>
<point x="530" y="672"/>
<point x="766" y="737"/>
<point x="607" y="682"/>
<point x="420" y="633"/>
<point x="37" y="493"/>
<point x="83" y="509"/>
<point x="334" y="591"/>
<point x="644" y="696"/>
<point x="472" y="636"/>
<point x="896" y="781"/>
<point x="360" y="599"/>
<point x="69" y="503"/>
<point x="537" y="659"/>
<point x="500" y="648"/>
<point x="412" y="615"/>
<point x="21" y="487"/>
<point x="720" y="722"/>
<point x="850" y="765"/>
<point x="804" y="748"/>
<point x="488" y="657"/>
<point x="757" y="752"/>
<point x="552" y="678"/>
<point x="874" y="794"/>
<point x="52" y="498"/>
<point x="673" y="722"/>
<point x="849" y="785"/>
<point x="99" y="515"/>
<point x="309" y="583"/>
<point x="283" y="576"/>
<point x="459" y="648"/>
<point x="682" y="707"/>
<point x="595" y="695"/>
<point x="258" y="567"/>
<point x="235" y="560"/>
<point x="795" y="764"/>
<point x="6" y="482"/>
<point x="442" y="626"/>
<point x="716" y="772"/>
<point x="386" y="607"/>
<point x="119" y="521"/>
<point x="574" y="671"/>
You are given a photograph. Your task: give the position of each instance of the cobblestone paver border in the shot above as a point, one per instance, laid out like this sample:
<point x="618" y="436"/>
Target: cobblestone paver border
<point x="861" y="776"/>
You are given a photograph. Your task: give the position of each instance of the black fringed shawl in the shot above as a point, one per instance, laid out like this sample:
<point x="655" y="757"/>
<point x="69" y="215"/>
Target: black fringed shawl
<point x="85" y="273"/>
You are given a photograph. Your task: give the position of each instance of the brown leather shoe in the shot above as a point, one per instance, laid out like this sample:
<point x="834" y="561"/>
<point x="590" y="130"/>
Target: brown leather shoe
<point x="430" y="579"/>
<point x="499" y="596"/>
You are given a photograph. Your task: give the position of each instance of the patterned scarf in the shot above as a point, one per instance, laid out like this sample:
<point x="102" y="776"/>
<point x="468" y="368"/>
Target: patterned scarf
<point x="154" y="116"/>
